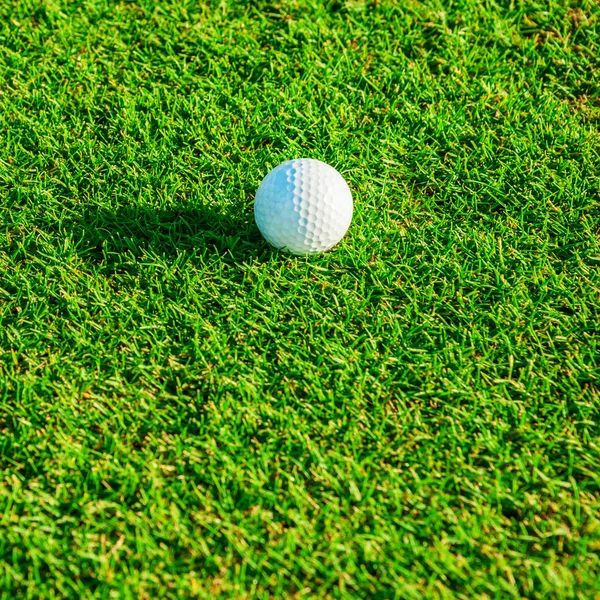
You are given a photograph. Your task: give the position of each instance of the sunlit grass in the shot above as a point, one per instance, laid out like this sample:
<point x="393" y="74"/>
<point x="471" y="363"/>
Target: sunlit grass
<point x="186" y="412"/>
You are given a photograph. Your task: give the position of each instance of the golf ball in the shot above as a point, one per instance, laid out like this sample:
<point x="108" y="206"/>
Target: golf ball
<point x="303" y="206"/>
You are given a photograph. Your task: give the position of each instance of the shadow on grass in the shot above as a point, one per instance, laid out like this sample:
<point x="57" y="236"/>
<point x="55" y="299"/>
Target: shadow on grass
<point x="118" y="238"/>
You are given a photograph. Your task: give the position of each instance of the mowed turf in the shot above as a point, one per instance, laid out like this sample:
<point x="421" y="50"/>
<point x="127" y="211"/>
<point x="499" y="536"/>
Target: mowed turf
<point x="186" y="412"/>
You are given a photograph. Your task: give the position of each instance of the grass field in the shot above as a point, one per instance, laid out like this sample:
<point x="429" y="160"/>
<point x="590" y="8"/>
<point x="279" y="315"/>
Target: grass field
<point x="186" y="412"/>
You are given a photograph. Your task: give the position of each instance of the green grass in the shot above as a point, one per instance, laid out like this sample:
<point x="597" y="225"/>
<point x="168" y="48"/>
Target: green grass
<point x="185" y="412"/>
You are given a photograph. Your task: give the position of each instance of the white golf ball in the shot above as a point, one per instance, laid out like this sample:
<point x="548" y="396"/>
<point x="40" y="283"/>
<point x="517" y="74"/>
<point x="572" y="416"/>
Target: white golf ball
<point x="303" y="206"/>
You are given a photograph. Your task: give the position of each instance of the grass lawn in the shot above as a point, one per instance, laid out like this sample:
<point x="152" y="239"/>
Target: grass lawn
<point x="186" y="412"/>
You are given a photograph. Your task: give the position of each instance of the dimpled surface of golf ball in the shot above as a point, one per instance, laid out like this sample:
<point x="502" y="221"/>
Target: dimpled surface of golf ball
<point x="303" y="206"/>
